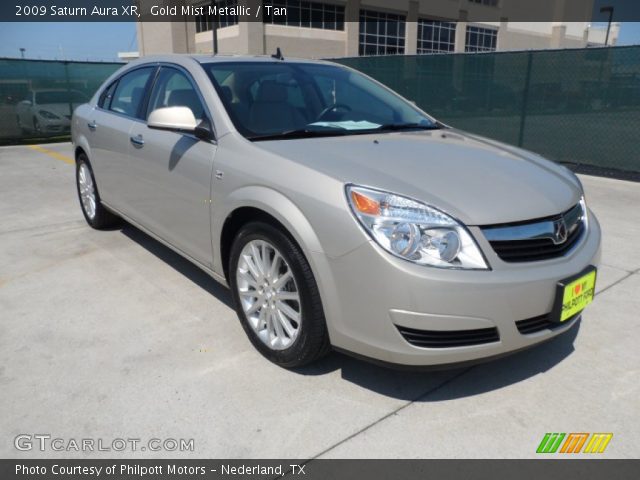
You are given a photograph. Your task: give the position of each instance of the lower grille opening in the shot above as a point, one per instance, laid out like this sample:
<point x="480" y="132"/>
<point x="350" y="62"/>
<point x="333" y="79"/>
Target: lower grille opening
<point x="539" y="323"/>
<point x="448" y="338"/>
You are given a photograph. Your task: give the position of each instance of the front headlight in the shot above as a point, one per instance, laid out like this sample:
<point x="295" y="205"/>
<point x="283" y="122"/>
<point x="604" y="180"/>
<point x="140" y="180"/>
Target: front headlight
<point x="414" y="231"/>
<point x="48" y="115"/>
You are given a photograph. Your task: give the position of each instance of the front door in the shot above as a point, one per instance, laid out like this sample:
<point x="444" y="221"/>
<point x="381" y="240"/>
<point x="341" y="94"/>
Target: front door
<point x="172" y="171"/>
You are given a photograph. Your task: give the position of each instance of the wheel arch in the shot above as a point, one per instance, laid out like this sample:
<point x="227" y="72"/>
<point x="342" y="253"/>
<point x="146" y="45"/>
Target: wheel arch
<point x="77" y="151"/>
<point x="261" y="203"/>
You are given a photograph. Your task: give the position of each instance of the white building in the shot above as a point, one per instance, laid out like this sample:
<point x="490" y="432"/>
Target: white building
<point x="318" y="28"/>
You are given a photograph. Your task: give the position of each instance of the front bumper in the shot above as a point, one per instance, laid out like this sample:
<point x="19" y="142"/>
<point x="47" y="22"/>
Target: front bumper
<point x="368" y="294"/>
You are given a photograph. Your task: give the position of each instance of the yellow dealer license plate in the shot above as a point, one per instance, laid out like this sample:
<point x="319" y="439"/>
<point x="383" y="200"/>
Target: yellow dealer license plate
<point x="574" y="294"/>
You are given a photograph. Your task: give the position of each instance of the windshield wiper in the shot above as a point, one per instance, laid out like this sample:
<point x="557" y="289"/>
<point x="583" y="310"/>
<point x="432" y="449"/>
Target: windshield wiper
<point x="299" y="133"/>
<point x="406" y="126"/>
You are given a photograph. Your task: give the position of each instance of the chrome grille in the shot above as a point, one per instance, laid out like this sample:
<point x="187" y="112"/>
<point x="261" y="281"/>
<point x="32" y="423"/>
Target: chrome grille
<point x="541" y="239"/>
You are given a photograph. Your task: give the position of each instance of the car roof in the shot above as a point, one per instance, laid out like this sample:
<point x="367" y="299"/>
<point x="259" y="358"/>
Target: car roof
<point x="222" y="58"/>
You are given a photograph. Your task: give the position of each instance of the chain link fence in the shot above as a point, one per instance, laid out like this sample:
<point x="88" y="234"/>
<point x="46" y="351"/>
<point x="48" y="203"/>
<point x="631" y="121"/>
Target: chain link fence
<point x="37" y="97"/>
<point x="580" y="107"/>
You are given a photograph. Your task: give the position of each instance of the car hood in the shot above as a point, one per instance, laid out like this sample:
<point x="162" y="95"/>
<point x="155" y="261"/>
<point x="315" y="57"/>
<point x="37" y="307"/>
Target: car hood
<point x="478" y="181"/>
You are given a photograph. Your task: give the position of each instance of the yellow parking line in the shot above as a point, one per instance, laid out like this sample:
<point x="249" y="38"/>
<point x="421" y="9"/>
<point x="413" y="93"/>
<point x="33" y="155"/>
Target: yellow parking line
<point x="51" y="153"/>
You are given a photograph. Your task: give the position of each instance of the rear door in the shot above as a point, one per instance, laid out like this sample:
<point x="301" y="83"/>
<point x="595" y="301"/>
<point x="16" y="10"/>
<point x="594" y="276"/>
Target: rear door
<point x="172" y="170"/>
<point x="108" y="126"/>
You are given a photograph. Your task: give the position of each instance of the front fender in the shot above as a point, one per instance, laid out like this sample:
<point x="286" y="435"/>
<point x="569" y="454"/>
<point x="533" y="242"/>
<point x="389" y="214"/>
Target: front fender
<point x="275" y="204"/>
<point x="288" y="214"/>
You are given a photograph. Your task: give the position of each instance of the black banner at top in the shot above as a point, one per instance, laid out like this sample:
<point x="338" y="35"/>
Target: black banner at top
<point x="280" y="11"/>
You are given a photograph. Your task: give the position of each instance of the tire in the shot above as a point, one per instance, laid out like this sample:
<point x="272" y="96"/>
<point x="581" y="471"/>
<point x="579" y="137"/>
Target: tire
<point x="36" y="125"/>
<point x="304" y="338"/>
<point x="96" y="215"/>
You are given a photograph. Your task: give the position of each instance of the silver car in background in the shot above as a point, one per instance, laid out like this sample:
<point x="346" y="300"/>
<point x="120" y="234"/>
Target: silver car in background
<point x="48" y="111"/>
<point x="338" y="213"/>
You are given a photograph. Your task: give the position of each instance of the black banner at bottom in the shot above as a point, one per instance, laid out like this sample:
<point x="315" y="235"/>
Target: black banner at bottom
<point x="543" y="469"/>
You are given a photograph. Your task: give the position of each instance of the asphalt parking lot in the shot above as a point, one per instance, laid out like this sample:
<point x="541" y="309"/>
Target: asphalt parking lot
<point x="111" y="335"/>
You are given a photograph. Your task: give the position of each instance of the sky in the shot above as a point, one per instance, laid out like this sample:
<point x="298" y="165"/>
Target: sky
<point x="103" y="41"/>
<point x="68" y="41"/>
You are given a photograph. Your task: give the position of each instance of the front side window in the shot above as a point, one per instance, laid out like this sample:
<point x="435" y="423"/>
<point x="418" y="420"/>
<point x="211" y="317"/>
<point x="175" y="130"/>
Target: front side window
<point x="129" y="92"/>
<point x="174" y="89"/>
<point x="267" y="99"/>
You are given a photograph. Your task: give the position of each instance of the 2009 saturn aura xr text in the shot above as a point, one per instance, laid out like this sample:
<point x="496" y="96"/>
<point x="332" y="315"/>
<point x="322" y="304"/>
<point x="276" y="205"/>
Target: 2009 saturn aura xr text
<point x="338" y="213"/>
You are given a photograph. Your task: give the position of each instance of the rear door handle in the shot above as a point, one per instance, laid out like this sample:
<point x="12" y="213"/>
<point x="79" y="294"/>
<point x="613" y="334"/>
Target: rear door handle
<point x="137" y="141"/>
<point x="92" y="126"/>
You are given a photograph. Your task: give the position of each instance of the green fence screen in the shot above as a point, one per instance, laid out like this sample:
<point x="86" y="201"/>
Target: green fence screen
<point x="37" y="97"/>
<point x="579" y="106"/>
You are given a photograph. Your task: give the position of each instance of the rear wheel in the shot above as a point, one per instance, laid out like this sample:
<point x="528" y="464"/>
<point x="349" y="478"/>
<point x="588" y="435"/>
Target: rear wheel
<point x="94" y="212"/>
<point x="276" y="296"/>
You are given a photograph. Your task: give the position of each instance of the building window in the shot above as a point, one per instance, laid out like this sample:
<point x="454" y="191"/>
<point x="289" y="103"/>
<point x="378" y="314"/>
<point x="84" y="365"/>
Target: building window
<point x="488" y="3"/>
<point x="325" y="16"/>
<point x="436" y="37"/>
<point x="481" y="39"/>
<point x="204" y="23"/>
<point x="381" y="33"/>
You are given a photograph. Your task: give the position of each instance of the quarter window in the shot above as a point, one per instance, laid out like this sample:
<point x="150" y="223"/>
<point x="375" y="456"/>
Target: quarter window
<point x="107" y="95"/>
<point x="174" y="89"/>
<point x="129" y="92"/>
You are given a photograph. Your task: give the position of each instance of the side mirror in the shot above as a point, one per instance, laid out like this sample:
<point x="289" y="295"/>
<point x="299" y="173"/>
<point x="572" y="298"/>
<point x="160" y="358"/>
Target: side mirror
<point x="173" y="118"/>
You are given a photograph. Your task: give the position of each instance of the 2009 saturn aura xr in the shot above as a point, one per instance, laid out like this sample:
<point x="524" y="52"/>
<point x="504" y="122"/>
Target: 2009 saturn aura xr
<point x="338" y="213"/>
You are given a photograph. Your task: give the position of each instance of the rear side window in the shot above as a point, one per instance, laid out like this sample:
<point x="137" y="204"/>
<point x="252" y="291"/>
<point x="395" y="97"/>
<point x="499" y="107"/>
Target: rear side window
<point x="107" y="95"/>
<point x="174" y="89"/>
<point x="129" y="92"/>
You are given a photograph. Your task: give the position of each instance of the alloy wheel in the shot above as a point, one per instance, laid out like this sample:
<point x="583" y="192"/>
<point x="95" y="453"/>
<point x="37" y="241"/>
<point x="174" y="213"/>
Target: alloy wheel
<point x="268" y="294"/>
<point x="87" y="191"/>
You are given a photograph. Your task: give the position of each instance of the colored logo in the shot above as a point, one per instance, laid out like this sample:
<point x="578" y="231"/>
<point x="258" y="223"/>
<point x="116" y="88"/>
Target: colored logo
<point x="573" y="442"/>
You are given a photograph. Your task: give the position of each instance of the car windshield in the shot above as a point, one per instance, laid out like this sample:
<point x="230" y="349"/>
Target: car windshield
<point x="59" y="96"/>
<point x="270" y="100"/>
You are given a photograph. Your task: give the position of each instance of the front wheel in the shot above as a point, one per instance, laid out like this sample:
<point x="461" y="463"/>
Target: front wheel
<point x="96" y="215"/>
<point x="276" y="296"/>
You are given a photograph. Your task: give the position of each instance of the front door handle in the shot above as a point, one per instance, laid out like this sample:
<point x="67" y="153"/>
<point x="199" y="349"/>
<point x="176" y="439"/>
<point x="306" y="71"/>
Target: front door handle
<point x="137" y="141"/>
<point x="92" y="126"/>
